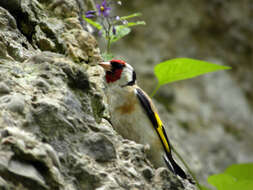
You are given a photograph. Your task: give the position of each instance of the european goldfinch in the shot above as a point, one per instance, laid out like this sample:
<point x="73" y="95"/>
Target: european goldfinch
<point x="134" y="116"/>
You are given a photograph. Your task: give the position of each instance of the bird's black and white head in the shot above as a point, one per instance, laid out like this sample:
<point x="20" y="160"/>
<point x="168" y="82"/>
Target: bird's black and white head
<point x="119" y="73"/>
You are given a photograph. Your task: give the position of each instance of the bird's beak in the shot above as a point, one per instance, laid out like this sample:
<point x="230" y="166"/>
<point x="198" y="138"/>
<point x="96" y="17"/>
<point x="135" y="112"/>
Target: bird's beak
<point x="106" y="65"/>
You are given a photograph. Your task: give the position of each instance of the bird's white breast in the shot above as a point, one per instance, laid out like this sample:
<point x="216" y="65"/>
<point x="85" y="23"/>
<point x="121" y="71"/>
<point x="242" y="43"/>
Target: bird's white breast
<point x="130" y="120"/>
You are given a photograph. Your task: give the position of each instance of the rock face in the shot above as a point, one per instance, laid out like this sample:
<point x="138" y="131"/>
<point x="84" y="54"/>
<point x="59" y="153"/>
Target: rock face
<point x="54" y="132"/>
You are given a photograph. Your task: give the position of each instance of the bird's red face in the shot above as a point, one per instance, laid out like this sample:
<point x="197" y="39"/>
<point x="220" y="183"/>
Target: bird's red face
<point x="113" y="69"/>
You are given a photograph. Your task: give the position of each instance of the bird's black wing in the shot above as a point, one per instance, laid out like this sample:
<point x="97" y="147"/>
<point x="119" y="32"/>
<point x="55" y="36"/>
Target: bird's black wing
<point x="158" y="126"/>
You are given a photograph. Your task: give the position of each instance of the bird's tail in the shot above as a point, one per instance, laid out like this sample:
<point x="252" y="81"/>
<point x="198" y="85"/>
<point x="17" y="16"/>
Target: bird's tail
<point x="173" y="166"/>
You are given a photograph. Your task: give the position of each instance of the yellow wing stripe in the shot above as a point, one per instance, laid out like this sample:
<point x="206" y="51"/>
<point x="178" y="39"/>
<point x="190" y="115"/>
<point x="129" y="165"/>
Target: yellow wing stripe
<point x="161" y="133"/>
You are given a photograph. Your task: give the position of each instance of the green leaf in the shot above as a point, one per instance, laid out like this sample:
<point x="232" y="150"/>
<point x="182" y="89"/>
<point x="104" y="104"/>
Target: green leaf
<point x="120" y="33"/>
<point x="227" y="182"/>
<point x="221" y="181"/>
<point x="243" y="184"/>
<point x="241" y="171"/>
<point x="130" y="16"/>
<point x="130" y="24"/>
<point x="202" y="187"/>
<point x="236" y="177"/>
<point x="93" y="23"/>
<point x="183" y="68"/>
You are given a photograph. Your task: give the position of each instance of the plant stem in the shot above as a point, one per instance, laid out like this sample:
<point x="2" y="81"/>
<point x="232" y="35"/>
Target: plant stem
<point x="108" y="45"/>
<point x="108" y="36"/>
<point x="154" y="92"/>
<point x="187" y="167"/>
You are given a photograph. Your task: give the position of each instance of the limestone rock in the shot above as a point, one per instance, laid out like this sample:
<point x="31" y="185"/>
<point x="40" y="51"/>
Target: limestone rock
<point x="99" y="147"/>
<point x="4" y="89"/>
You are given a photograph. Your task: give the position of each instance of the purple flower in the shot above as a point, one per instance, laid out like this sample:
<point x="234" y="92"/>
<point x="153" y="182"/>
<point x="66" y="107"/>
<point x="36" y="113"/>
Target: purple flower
<point x="103" y="9"/>
<point x="117" y="18"/>
<point x="90" y="14"/>
<point x="100" y="33"/>
<point x="114" y="30"/>
<point x="125" y="22"/>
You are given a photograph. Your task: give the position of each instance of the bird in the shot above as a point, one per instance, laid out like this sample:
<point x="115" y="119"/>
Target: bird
<point x="134" y="116"/>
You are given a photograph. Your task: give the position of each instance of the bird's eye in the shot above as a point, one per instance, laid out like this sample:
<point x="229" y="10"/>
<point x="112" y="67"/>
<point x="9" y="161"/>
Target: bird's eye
<point x="116" y="65"/>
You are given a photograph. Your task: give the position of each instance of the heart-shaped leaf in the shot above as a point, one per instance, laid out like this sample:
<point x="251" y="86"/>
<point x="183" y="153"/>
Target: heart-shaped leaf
<point x="183" y="68"/>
